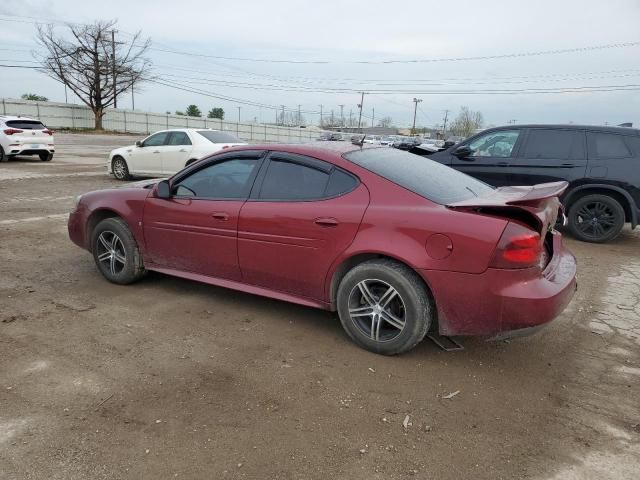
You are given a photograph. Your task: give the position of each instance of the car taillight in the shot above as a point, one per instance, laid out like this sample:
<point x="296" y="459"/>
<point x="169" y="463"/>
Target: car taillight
<point x="11" y="131"/>
<point x="519" y="247"/>
<point x="48" y="132"/>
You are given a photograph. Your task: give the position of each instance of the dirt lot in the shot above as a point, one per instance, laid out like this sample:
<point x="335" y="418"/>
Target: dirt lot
<point x="172" y="379"/>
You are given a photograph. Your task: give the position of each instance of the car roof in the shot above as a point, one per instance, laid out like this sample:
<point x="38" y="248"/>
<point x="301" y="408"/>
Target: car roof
<point x="569" y="126"/>
<point x="311" y="149"/>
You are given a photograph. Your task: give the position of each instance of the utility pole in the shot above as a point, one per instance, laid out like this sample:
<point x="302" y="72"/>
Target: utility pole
<point x="282" y="114"/>
<point x="133" y="101"/>
<point x="341" y="115"/>
<point x="416" y="101"/>
<point x="350" y="117"/>
<point x="65" y="93"/>
<point x="299" y="116"/>
<point x="373" y="116"/>
<point x="360" y="107"/>
<point x="444" y="127"/>
<point x="113" y="66"/>
<point x="320" y="116"/>
<point x="333" y="122"/>
<point x="239" y="114"/>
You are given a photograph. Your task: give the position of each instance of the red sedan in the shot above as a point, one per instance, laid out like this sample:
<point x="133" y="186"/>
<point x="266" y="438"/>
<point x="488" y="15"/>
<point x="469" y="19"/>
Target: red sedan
<point x="395" y="243"/>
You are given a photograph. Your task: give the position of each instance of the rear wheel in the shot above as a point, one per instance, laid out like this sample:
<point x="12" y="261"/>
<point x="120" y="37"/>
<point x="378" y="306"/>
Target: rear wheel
<point x="596" y="218"/>
<point x="3" y="157"/>
<point x="116" y="252"/>
<point x="46" y="157"/>
<point x="384" y="307"/>
<point x="120" y="168"/>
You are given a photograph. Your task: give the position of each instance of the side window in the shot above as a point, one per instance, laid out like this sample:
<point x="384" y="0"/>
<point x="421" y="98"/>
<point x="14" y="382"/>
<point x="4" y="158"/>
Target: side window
<point x="495" y="144"/>
<point x="292" y="181"/>
<point x="179" y="138"/>
<point x="228" y="179"/>
<point x="156" y="139"/>
<point x="607" y="145"/>
<point x="339" y="183"/>
<point x="554" y="144"/>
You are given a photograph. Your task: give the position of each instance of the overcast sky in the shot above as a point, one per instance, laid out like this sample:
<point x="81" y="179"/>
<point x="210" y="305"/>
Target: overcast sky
<point x="342" y="32"/>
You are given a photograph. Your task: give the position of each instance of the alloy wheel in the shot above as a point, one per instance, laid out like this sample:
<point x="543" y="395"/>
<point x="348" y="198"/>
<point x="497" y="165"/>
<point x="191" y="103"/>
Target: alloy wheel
<point x="111" y="252"/>
<point x="595" y="220"/>
<point x="377" y="310"/>
<point x="119" y="168"/>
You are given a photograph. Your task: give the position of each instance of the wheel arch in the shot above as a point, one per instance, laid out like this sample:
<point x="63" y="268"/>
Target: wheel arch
<point x="95" y="218"/>
<point x="355" y="259"/>
<point x="620" y="195"/>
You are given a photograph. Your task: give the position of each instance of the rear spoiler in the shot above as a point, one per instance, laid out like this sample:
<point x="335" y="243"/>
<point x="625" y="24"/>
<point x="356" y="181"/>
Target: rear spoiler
<point x="531" y="196"/>
<point x="537" y="205"/>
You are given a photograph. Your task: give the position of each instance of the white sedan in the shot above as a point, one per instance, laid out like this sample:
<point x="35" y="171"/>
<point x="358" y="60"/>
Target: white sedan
<point x="167" y="152"/>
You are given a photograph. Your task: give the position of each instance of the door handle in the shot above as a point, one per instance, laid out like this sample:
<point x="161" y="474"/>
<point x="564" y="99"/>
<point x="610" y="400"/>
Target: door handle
<point x="326" y="222"/>
<point x="567" y="165"/>
<point x="182" y="150"/>
<point x="220" y="216"/>
<point x="156" y="151"/>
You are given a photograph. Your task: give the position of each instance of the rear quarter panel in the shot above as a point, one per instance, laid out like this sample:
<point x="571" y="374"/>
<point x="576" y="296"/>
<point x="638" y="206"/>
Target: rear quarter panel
<point x="398" y="223"/>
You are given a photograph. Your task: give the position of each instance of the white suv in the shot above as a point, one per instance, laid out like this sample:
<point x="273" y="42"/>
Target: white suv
<point x="25" y="136"/>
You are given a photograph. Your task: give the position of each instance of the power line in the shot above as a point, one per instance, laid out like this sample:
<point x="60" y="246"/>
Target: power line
<point x="558" y="51"/>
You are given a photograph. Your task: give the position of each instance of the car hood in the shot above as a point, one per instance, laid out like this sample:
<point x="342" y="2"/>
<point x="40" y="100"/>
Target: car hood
<point x="142" y="183"/>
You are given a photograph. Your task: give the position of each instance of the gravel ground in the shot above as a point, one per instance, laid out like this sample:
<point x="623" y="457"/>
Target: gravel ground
<point x="169" y="378"/>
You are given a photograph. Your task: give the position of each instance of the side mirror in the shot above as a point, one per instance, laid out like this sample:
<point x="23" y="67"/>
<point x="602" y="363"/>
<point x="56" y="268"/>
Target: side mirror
<point x="462" y="151"/>
<point x="163" y="190"/>
<point x="139" y="143"/>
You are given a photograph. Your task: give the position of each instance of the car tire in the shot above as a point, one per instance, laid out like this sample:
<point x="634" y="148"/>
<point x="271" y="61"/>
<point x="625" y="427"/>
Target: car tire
<point x="46" y="157"/>
<point x="596" y="218"/>
<point x="116" y="252"/>
<point x="120" y="168"/>
<point x="3" y="157"/>
<point x="392" y="314"/>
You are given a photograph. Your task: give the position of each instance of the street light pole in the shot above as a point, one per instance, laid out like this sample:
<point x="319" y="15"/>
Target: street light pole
<point x="113" y="66"/>
<point x="239" y="114"/>
<point x="416" y="101"/>
<point x="360" y="105"/>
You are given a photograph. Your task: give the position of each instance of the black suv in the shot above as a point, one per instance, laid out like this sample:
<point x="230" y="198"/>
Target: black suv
<point x="601" y="164"/>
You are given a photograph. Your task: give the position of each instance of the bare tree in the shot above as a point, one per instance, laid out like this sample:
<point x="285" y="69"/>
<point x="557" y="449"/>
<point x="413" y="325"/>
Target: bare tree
<point x="385" y="122"/>
<point x="93" y="64"/>
<point x="466" y="122"/>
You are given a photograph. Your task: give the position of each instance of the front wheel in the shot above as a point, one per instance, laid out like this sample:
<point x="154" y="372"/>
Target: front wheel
<point x="120" y="169"/>
<point x="116" y="252"/>
<point x="384" y="307"/>
<point x="596" y="218"/>
<point x="3" y="156"/>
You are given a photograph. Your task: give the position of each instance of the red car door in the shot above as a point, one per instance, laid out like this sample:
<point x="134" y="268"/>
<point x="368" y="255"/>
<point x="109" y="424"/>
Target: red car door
<point x="302" y="214"/>
<point x="196" y="229"/>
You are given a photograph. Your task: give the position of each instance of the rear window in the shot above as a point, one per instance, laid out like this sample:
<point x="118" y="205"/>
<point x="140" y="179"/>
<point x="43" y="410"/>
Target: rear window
<point x="425" y="177"/>
<point x="26" y="124"/>
<point x="607" y="145"/>
<point x="219" y="137"/>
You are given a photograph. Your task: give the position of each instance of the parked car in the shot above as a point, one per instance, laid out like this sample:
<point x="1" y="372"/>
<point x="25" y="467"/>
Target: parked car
<point x="168" y="151"/>
<point x="395" y="243"/>
<point x="372" y="139"/>
<point x="387" y="140"/>
<point x="601" y="164"/>
<point x="406" y="143"/>
<point x="25" y="136"/>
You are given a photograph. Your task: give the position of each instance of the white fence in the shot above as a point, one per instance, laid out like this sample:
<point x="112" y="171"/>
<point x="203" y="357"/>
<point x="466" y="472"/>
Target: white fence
<point x="63" y="115"/>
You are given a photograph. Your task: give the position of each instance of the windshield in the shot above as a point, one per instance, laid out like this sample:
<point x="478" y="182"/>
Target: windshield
<point x="219" y="137"/>
<point x="425" y="177"/>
